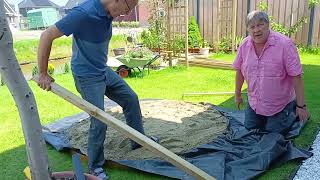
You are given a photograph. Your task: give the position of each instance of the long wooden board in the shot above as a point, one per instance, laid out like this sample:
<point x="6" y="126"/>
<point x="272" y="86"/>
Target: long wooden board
<point x="130" y="132"/>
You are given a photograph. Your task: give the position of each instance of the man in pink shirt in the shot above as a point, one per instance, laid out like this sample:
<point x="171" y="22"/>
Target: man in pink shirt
<point x="270" y="64"/>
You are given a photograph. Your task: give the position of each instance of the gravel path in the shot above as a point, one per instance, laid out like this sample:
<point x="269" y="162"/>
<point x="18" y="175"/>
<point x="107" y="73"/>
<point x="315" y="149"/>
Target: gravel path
<point x="310" y="169"/>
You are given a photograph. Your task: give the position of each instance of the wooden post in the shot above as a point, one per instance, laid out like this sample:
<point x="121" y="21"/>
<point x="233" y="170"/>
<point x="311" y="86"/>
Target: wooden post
<point x="234" y="24"/>
<point x="25" y="102"/>
<point x="311" y="24"/>
<point x="130" y="132"/>
<point x="187" y="28"/>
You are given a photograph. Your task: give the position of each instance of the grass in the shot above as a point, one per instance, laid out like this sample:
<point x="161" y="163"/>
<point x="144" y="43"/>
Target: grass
<point x="306" y="58"/>
<point x="26" y="50"/>
<point x="170" y="84"/>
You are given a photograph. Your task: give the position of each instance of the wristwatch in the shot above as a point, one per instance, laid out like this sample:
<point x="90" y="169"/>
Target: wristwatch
<point x="301" y="107"/>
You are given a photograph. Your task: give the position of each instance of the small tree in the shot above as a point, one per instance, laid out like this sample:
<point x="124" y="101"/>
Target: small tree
<point x="194" y="38"/>
<point x="25" y="101"/>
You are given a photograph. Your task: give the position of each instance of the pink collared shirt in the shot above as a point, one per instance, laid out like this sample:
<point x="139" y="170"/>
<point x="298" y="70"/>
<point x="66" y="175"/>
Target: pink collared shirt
<point x="270" y="76"/>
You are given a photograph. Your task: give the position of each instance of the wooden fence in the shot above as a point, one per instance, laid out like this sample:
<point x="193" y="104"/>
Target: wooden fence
<point x="215" y="18"/>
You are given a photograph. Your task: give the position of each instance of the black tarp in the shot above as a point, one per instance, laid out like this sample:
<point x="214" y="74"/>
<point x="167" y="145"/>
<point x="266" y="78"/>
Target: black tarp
<point x="238" y="154"/>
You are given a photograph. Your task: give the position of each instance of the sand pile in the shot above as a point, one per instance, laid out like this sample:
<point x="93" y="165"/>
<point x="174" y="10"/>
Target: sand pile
<point x="180" y="126"/>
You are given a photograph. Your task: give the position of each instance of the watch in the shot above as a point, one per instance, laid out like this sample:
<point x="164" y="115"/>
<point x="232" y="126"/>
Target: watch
<point x="301" y="107"/>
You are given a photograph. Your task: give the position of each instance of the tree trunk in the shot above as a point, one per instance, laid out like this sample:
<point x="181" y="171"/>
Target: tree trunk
<point x="25" y="101"/>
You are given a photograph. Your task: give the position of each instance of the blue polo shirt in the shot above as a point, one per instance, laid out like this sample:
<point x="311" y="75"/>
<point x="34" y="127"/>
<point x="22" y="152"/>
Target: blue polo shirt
<point x="91" y="27"/>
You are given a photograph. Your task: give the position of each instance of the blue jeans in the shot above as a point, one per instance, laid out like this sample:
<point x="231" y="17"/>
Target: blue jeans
<point x="278" y="123"/>
<point x="93" y="89"/>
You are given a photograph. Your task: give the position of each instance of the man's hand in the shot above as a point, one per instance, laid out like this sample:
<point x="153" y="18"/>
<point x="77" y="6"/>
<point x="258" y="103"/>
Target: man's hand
<point x="45" y="81"/>
<point x="303" y="114"/>
<point x="239" y="101"/>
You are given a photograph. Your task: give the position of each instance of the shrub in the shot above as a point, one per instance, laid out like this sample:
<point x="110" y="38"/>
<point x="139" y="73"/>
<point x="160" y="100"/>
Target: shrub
<point x="51" y="69"/>
<point x="1" y="81"/>
<point x="309" y="50"/>
<point x="126" y="24"/>
<point x="35" y="71"/>
<point x="263" y="6"/>
<point x="225" y="44"/>
<point x="194" y="38"/>
<point x="66" y="68"/>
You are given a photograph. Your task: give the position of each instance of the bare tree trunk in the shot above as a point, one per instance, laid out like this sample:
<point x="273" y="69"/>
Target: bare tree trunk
<point x="25" y="101"/>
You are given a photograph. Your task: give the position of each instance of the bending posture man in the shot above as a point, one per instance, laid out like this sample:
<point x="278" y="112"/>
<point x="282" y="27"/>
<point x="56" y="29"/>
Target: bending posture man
<point x="91" y="26"/>
<point x="270" y="64"/>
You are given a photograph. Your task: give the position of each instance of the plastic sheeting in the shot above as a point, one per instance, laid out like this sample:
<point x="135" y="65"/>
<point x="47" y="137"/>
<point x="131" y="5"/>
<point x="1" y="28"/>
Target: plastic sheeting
<point x="236" y="155"/>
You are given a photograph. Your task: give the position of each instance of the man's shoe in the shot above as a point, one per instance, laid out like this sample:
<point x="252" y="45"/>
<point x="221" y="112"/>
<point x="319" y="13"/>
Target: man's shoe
<point x="137" y="146"/>
<point x="100" y="173"/>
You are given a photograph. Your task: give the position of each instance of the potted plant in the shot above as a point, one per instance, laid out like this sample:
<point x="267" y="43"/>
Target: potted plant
<point x="194" y="38"/>
<point x="204" y="50"/>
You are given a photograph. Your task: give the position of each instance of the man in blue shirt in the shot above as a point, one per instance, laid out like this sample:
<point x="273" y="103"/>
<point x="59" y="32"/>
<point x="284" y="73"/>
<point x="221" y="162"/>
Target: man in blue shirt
<point x="91" y="26"/>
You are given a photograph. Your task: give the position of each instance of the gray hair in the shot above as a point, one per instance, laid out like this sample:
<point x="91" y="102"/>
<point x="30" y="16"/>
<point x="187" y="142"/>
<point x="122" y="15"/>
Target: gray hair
<point x="257" y="16"/>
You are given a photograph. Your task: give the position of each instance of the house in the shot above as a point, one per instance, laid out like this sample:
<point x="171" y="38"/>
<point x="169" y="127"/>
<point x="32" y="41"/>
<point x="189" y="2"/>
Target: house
<point x="12" y="15"/>
<point x="140" y="13"/>
<point x="27" y="5"/>
<point x="71" y="4"/>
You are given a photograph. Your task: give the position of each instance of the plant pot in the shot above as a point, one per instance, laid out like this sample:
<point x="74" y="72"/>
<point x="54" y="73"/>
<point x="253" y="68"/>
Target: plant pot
<point x="70" y="174"/>
<point x="193" y="50"/>
<point x="205" y="52"/>
<point x="119" y="51"/>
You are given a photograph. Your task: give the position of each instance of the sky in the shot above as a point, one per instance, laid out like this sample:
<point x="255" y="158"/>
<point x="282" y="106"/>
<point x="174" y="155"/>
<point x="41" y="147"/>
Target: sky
<point x="59" y="2"/>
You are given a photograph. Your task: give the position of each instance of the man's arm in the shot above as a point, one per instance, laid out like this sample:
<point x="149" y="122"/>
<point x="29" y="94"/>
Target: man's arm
<point x="45" y="44"/>
<point x="302" y="111"/>
<point x="239" y="84"/>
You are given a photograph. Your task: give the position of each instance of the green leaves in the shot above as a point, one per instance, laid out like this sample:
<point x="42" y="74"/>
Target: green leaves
<point x="275" y="26"/>
<point x="195" y="38"/>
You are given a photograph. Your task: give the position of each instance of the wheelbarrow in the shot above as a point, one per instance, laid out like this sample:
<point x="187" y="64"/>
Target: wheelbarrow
<point x="130" y="64"/>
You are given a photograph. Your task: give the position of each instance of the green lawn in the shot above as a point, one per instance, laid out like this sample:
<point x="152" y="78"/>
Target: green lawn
<point x="166" y="84"/>
<point x="26" y="50"/>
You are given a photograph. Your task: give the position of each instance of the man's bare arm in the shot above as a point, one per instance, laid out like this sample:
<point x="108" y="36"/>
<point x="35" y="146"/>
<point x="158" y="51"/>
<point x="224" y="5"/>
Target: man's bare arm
<point x="302" y="110"/>
<point x="44" y="49"/>
<point x="239" y="84"/>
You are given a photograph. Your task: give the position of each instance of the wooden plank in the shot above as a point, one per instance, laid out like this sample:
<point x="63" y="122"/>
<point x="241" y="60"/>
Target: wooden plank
<point x="300" y="14"/>
<point x="282" y="11"/>
<point x="223" y="23"/>
<point x="201" y="18"/>
<point x="317" y="30"/>
<point x="215" y="20"/>
<point x="239" y="19"/>
<point x="243" y="17"/>
<point x="230" y="17"/>
<point x="305" y="27"/>
<point x="295" y="11"/>
<point x="288" y="17"/>
<point x="210" y="17"/>
<point x="234" y="24"/>
<point x="275" y="14"/>
<point x="205" y="19"/>
<point x="270" y="7"/>
<point x="253" y="5"/>
<point x="129" y="132"/>
<point x="316" y="27"/>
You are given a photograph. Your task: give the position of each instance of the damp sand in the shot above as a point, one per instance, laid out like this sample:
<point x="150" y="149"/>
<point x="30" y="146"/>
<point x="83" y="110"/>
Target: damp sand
<point x="180" y="126"/>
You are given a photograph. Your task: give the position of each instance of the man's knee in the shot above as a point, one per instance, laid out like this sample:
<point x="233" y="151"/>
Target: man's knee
<point x="133" y="98"/>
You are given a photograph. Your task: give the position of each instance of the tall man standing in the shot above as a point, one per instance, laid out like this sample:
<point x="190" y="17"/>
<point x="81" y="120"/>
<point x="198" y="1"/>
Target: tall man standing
<point x="270" y="64"/>
<point x="91" y="26"/>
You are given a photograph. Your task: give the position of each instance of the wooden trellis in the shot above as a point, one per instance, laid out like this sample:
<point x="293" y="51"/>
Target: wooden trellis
<point x="217" y="19"/>
<point x="177" y="21"/>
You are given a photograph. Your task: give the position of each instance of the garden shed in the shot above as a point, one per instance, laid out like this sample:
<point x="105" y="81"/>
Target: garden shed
<point x="42" y="18"/>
